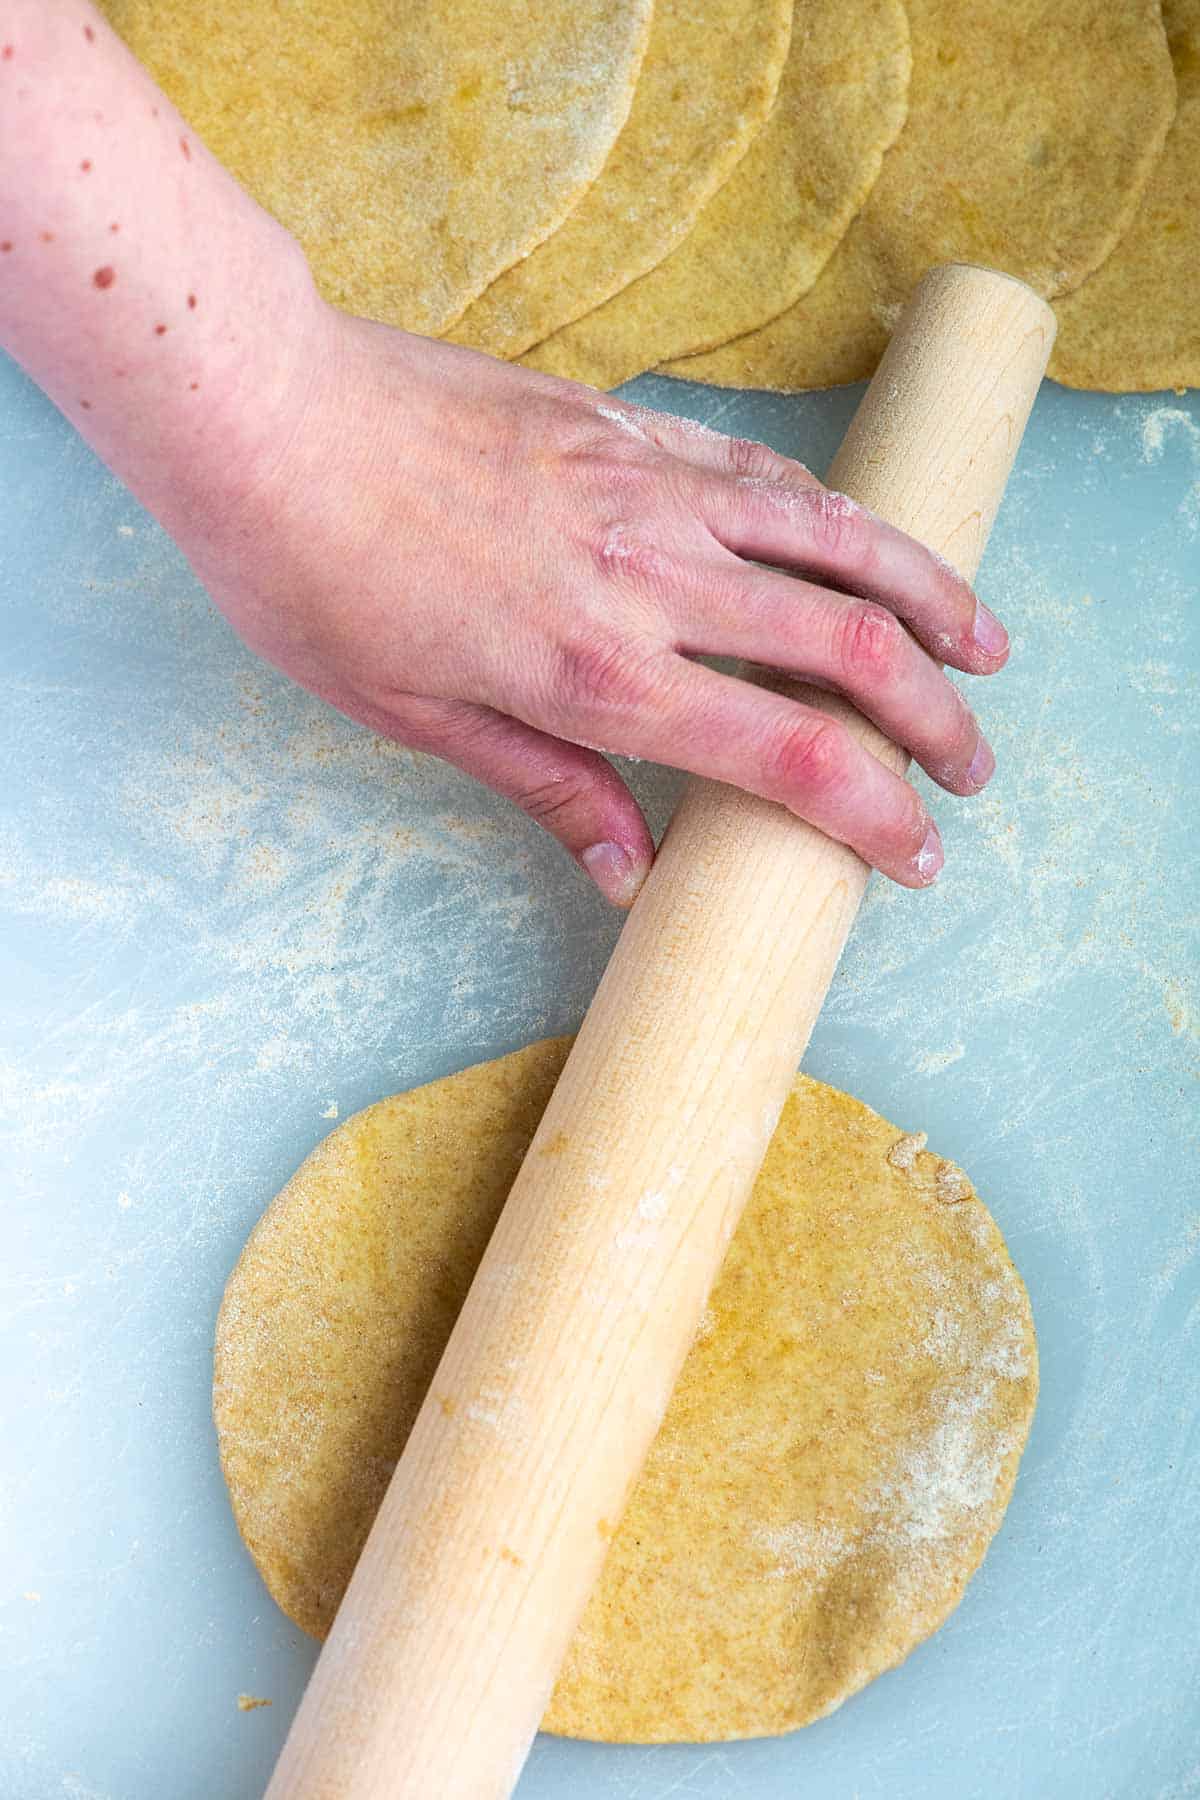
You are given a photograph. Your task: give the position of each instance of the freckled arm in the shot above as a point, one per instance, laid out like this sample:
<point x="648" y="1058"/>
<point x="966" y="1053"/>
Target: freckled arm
<point x="160" y="308"/>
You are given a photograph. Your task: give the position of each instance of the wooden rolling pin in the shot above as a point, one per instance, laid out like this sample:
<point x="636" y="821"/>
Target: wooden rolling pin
<point x="552" y="1387"/>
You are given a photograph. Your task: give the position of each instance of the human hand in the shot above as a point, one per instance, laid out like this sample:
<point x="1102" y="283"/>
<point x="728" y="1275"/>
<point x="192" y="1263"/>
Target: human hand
<point x="510" y="571"/>
<point x="516" y="573"/>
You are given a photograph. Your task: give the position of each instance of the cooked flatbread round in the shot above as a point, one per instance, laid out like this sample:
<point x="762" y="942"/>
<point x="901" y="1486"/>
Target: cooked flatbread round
<point x="1032" y="130"/>
<point x="710" y="77"/>
<point x="837" y="1454"/>
<point x="416" y="149"/>
<point x="1135" y="324"/>
<point x="763" y="239"/>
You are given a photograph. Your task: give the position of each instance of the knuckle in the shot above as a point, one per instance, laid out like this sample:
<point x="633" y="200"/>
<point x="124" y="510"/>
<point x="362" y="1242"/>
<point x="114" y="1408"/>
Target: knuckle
<point x="909" y="821"/>
<point x="808" y="759"/>
<point x="837" y="524"/>
<point x="597" y="675"/>
<point x="751" y="461"/>
<point x="957" y="735"/>
<point x="871" y="646"/>
<point x="622" y="553"/>
<point x="552" y="801"/>
<point x="907" y="831"/>
<point x="962" y="728"/>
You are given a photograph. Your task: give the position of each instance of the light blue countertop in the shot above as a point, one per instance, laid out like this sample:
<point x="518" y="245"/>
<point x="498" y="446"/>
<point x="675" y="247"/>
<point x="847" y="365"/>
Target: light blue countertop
<point x="227" y="916"/>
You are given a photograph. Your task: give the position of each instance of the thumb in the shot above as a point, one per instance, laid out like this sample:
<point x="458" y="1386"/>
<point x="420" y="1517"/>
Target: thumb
<point x="572" y="792"/>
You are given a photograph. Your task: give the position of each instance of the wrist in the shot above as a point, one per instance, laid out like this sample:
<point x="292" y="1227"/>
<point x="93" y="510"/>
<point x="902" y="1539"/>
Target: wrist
<point x="219" y="443"/>
<point x="312" y="483"/>
<point x="328" y="392"/>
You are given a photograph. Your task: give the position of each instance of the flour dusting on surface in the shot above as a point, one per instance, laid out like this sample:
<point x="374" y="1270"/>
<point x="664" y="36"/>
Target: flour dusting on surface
<point x="152" y="818"/>
<point x="801" y="1549"/>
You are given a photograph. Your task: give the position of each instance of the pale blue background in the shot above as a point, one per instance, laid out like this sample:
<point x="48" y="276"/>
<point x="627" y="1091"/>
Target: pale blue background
<point x="223" y="911"/>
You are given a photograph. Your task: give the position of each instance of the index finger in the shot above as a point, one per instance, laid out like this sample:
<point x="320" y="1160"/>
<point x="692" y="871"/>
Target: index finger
<point x="829" y="537"/>
<point x="770" y="508"/>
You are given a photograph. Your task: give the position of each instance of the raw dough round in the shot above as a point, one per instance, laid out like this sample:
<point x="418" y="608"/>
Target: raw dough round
<point x="764" y="238"/>
<point x="1032" y="130"/>
<point x="1135" y="323"/>
<point x="416" y="149"/>
<point x="710" y="77"/>
<point x="835" y="1459"/>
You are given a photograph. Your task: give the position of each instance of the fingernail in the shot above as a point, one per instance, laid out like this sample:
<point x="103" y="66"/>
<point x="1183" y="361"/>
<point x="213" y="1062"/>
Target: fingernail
<point x="981" y="765"/>
<point x="989" y="633"/>
<point x="614" y="872"/>
<point x="930" y="856"/>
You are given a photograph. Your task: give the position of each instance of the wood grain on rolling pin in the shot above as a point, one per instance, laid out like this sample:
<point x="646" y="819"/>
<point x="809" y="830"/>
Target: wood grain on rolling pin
<point x="553" y="1384"/>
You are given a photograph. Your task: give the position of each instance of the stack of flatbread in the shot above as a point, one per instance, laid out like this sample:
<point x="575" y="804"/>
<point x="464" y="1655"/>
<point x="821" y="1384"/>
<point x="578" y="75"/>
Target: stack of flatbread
<point x="740" y="192"/>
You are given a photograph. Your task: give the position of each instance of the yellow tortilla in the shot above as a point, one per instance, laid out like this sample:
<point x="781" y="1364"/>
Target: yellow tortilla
<point x="763" y="239"/>
<point x="416" y="148"/>
<point x="1033" y="127"/>
<point x="837" y="1455"/>
<point x="710" y="76"/>
<point x="1135" y="324"/>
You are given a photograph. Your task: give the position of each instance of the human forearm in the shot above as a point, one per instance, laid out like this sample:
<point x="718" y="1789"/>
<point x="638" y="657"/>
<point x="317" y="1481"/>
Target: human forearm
<point x="161" y="309"/>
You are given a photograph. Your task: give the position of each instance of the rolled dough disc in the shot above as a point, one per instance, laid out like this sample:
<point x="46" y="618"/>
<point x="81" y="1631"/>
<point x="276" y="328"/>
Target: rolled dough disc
<point x="765" y="236"/>
<point x="1032" y="130"/>
<point x="838" y="1453"/>
<point x="416" y="149"/>
<point x="709" y="80"/>
<point x="1135" y="324"/>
